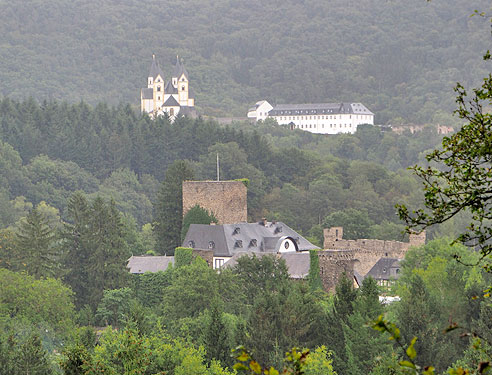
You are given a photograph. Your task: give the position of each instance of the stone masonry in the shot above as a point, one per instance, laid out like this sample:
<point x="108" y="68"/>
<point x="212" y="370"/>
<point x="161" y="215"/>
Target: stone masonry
<point x="227" y="200"/>
<point x="333" y="264"/>
<point x="366" y="251"/>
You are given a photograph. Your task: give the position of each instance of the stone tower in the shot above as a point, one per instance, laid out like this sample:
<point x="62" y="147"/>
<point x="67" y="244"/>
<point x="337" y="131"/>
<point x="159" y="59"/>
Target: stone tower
<point x="227" y="200"/>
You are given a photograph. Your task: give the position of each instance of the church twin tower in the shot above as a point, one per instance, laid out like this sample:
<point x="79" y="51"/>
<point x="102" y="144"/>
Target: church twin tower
<point x="173" y="97"/>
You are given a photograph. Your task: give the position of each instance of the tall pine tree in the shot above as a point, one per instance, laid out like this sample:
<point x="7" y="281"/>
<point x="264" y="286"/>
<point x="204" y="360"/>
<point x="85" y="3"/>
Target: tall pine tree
<point x="168" y="210"/>
<point x="34" y="247"/>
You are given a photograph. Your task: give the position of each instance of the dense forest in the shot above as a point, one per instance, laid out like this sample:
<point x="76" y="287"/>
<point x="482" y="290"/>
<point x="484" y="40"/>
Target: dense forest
<point x="83" y="188"/>
<point x="51" y="150"/>
<point x="400" y="60"/>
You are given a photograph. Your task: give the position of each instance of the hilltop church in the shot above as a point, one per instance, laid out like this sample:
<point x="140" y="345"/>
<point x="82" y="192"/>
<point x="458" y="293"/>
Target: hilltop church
<point x="172" y="97"/>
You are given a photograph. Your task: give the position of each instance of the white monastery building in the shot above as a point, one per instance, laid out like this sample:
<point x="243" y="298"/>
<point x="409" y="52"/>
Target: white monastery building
<point x="172" y="97"/>
<point x="323" y="118"/>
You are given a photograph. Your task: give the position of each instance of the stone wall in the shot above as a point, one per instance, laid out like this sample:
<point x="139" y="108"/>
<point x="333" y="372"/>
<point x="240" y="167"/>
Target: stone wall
<point x="332" y="265"/>
<point x="367" y="251"/>
<point x="227" y="200"/>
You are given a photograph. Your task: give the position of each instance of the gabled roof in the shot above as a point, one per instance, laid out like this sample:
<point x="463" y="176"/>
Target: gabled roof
<point x="170" y="89"/>
<point x="385" y="269"/>
<point x="171" y="102"/>
<point x="229" y="239"/>
<point x="155" y="69"/>
<point x="147" y="93"/>
<point x="319" y="109"/>
<point x="142" y="264"/>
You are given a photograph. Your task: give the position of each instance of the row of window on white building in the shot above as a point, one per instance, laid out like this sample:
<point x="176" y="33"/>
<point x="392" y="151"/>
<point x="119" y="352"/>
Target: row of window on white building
<point x="362" y="117"/>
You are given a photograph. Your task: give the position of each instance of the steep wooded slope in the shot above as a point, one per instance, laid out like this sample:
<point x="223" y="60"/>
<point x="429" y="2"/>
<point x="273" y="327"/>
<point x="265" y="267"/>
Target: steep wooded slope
<point x="400" y="58"/>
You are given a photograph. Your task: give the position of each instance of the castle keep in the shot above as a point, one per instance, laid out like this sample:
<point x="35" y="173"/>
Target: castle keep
<point x="227" y="200"/>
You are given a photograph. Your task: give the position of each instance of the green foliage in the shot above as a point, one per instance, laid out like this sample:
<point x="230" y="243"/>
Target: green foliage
<point x="183" y="256"/>
<point x="114" y="307"/>
<point x="26" y="356"/>
<point x="35" y="246"/>
<point x="314" y="276"/>
<point x="45" y="303"/>
<point x="148" y="287"/>
<point x="457" y="177"/>
<point x="168" y="211"/>
<point x="355" y="223"/>
<point x="192" y="290"/>
<point x="196" y="215"/>
<point x="96" y="250"/>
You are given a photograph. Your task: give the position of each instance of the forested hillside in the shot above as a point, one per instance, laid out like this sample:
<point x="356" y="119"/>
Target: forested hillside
<point x="400" y="59"/>
<point x="51" y="150"/>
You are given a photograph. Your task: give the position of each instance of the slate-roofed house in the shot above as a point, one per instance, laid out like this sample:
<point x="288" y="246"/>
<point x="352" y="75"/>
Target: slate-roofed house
<point x="173" y="98"/>
<point x="386" y="271"/>
<point x="143" y="263"/>
<point x="320" y="118"/>
<point x="230" y="239"/>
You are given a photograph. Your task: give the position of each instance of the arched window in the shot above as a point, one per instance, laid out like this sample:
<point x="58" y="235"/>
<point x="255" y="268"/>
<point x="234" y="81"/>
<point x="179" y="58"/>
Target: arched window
<point x="171" y="112"/>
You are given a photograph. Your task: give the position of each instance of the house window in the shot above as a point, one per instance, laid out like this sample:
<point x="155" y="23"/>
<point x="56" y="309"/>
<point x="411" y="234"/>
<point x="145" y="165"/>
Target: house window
<point x="191" y="244"/>
<point x="158" y="98"/>
<point x="182" y="88"/>
<point x="238" y="244"/>
<point x="253" y="243"/>
<point x="286" y="244"/>
<point x="237" y="230"/>
<point x="182" y="79"/>
<point x="158" y="88"/>
<point x="218" y="263"/>
<point x="171" y="112"/>
<point x="211" y="245"/>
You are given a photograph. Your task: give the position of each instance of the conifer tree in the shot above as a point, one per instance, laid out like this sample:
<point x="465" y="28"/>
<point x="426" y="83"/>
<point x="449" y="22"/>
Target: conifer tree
<point x="215" y="337"/>
<point x="96" y="249"/>
<point x="168" y="210"/>
<point x="35" y="246"/>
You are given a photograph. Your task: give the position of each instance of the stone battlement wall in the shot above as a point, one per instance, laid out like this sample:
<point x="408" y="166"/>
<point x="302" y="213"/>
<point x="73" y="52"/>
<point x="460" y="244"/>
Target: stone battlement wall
<point x="333" y="264"/>
<point x="227" y="200"/>
<point x="368" y="251"/>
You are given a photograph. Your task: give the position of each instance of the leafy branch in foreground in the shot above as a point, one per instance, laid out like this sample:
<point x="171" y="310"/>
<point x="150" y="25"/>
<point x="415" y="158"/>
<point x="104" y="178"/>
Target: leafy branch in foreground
<point x="462" y="180"/>
<point x="409" y="364"/>
<point x="295" y="363"/>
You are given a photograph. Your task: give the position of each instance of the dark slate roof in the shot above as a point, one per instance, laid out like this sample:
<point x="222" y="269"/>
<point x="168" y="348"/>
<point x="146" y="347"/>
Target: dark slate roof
<point x="385" y="269"/>
<point x="147" y="93"/>
<point x="171" y="102"/>
<point x="170" y="89"/>
<point x="228" y="239"/>
<point x="297" y="263"/>
<point x="155" y="69"/>
<point x="319" y="109"/>
<point x="142" y="264"/>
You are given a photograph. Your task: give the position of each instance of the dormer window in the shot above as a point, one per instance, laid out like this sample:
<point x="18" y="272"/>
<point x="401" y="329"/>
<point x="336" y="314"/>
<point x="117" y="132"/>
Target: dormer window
<point x="238" y="244"/>
<point x="211" y="245"/>
<point x="191" y="244"/>
<point x="253" y="243"/>
<point x="237" y="230"/>
<point x="278" y="229"/>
